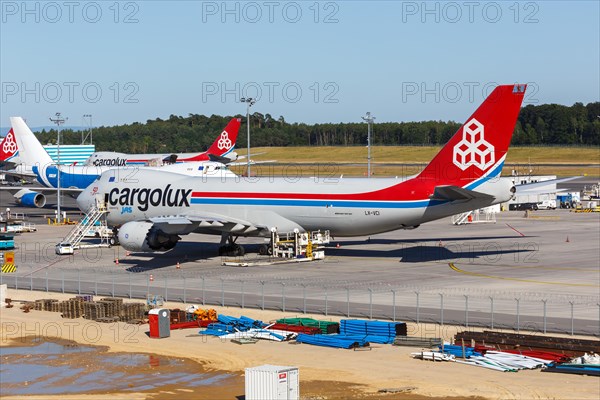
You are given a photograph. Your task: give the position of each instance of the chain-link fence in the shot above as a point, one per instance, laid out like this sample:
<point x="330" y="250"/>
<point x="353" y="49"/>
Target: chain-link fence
<point x="539" y="312"/>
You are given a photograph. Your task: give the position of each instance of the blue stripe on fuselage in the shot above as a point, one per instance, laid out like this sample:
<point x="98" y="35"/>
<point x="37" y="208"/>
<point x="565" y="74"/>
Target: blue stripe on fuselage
<point x="493" y="174"/>
<point x="318" y="203"/>
<point x="38" y="175"/>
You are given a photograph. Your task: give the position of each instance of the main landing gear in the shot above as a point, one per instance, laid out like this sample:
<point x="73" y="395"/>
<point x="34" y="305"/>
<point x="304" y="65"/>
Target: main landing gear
<point x="229" y="247"/>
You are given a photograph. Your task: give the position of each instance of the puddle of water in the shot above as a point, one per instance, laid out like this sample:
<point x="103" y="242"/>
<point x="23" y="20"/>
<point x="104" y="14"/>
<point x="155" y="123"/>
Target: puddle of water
<point x="54" y="368"/>
<point x="44" y="348"/>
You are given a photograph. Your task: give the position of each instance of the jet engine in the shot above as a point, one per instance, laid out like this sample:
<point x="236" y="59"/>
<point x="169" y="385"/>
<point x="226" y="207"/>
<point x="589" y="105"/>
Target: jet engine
<point x="145" y="237"/>
<point x="29" y="198"/>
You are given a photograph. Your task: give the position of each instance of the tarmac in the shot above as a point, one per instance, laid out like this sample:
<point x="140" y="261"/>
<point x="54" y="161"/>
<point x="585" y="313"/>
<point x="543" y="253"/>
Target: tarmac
<point x="540" y="273"/>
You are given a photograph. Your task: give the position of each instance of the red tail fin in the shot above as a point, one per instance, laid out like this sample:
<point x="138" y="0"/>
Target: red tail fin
<point x="479" y="147"/>
<point x="8" y="147"/>
<point x="225" y="143"/>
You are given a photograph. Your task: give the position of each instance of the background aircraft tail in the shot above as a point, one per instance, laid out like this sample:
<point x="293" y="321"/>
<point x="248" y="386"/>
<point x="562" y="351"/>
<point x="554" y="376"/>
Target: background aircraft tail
<point x="31" y="151"/>
<point x="225" y="142"/>
<point x="8" y="147"/>
<point x="479" y="147"/>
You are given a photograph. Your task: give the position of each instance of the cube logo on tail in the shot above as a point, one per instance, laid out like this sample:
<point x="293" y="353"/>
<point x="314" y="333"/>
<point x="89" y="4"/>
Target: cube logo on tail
<point x="9" y="146"/>
<point x="473" y="149"/>
<point x="224" y="141"/>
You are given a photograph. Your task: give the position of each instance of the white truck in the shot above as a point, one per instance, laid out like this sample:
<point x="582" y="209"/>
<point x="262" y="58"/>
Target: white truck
<point x="547" y="205"/>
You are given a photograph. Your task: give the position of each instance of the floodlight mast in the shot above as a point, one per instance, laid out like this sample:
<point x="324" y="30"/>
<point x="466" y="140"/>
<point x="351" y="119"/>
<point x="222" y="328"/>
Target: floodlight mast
<point x="90" y="134"/>
<point x="58" y="121"/>
<point x="369" y="119"/>
<point x="249" y="103"/>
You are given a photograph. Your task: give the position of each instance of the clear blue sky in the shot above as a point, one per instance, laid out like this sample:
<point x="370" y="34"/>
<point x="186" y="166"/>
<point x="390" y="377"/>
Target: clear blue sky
<point x="346" y="58"/>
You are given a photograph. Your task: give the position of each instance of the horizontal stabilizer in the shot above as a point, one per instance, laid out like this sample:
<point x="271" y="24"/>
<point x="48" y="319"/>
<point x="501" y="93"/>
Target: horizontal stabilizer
<point x="19" y="174"/>
<point x="456" y="193"/>
<point x="548" y="186"/>
<point x="221" y="159"/>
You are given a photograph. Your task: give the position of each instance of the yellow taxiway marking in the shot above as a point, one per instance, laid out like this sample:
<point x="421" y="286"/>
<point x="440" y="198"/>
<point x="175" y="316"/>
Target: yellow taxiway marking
<point x="456" y="269"/>
<point x="540" y="267"/>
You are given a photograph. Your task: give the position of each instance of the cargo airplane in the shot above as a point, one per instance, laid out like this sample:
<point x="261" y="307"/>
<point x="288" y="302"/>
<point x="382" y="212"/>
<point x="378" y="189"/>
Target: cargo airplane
<point x="221" y="151"/>
<point x="154" y="208"/>
<point x="75" y="178"/>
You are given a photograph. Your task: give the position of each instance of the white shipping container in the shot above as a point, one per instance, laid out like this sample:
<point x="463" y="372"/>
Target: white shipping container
<point x="272" y="382"/>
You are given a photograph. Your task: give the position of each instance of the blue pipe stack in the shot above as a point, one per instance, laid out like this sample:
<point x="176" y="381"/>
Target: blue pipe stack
<point x="357" y="333"/>
<point x="334" y="340"/>
<point x="376" y="331"/>
<point x="229" y="324"/>
<point x="457" y="351"/>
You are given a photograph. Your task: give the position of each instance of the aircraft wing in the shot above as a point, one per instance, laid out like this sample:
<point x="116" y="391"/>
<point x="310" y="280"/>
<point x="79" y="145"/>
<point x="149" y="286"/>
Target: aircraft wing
<point x="241" y="163"/>
<point x="208" y="222"/>
<point x="456" y="193"/>
<point x="40" y="189"/>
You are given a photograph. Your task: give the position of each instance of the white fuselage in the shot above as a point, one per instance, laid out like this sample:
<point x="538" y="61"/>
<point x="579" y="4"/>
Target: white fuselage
<point x="336" y="204"/>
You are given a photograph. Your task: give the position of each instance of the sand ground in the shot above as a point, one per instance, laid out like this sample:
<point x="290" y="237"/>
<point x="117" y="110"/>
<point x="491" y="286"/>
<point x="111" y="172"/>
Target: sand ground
<point x="324" y="372"/>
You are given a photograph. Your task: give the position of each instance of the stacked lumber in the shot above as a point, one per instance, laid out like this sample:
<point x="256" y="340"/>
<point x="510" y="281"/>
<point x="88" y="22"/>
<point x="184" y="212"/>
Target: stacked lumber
<point x="47" y="305"/>
<point x="72" y="308"/>
<point x="93" y="310"/>
<point x="132" y="311"/>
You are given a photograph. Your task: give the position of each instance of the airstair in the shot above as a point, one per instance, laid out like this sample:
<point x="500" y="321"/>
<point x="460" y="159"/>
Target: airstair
<point x="73" y="240"/>
<point x="484" y="215"/>
<point x="461" y="219"/>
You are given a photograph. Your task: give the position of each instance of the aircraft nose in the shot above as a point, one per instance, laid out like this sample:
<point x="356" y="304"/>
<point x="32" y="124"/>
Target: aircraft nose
<point x="86" y="198"/>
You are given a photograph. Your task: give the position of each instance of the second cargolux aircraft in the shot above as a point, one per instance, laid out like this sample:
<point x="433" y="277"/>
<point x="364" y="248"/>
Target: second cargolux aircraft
<point x="221" y="150"/>
<point x="74" y="178"/>
<point x="155" y="207"/>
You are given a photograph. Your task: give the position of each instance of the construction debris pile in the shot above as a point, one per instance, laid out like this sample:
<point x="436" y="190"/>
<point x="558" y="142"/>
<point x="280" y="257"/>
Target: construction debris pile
<point x="47" y="305"/>
<point x="527" y="352"/>
<point x="499" y="351"/>
<point x="108" y="309"/>
<point x="194" y="313"/>
<point x="325" y="327"/>
<point x="356" y="333"/>
<point x="503" y="339"/>
<point x="333" y="340"/>
<point x="348" y="334"/>
<point x="112" y="309"/>
<point x="588" y="364"/>
<point x="236" y="328"/>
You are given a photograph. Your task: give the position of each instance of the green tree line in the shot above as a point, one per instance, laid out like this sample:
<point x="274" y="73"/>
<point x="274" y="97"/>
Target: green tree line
<point x="546" y="124"/>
